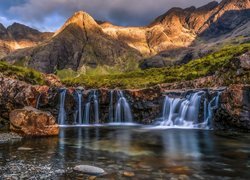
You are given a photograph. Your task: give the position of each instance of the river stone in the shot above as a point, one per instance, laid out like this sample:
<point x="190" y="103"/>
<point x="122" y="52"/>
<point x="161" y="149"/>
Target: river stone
<point x="86" y="169"/>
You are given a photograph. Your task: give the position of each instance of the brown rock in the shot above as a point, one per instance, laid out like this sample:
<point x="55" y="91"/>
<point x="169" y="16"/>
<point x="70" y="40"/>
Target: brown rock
<point x="32" y="122"/>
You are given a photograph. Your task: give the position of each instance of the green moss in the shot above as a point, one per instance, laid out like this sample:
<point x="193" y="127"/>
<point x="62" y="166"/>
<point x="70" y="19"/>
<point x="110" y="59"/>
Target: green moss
<point x="24" y="74"/>
<point x="205" y="66"/>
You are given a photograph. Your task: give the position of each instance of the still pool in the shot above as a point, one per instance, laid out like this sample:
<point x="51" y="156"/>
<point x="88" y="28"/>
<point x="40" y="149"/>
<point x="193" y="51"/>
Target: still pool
<point x="142" y="153"/>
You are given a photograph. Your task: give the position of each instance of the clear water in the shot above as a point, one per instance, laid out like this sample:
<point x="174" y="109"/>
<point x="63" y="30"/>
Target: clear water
<point x="149" y="153"/>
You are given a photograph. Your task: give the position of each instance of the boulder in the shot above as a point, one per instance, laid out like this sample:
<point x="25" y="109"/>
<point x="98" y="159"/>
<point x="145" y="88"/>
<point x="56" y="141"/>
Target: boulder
<point x="32" y="122"/>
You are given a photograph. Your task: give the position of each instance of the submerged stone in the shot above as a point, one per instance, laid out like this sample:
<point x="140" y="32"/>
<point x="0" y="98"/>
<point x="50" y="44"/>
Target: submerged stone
<point x="24" y="149"/>
<point x="86" y="169"/>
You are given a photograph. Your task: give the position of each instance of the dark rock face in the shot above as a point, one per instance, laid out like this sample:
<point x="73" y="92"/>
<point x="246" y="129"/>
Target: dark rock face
<point x="32" y="122"/>
<point x="235" y="108"/>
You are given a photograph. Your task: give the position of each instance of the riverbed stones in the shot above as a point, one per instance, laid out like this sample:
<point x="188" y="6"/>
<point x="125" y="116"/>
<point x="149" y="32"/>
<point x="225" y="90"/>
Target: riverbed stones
<point x="7" y="137"/>
<point x="32" y="122"/>
<point x="91" y="170"/>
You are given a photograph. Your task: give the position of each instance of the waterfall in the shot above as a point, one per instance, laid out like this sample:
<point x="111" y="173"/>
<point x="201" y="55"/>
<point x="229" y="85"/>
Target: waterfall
<point x="111" y="106"/>
<point x="209" y="109"/>
<point x="79" y="109"/>
<point x="62" y="113"/>
<point x="184" y="112"/>
<point x="38" y="101"/>
<point x="122" y="110"/>
<point x="92" y="99"/>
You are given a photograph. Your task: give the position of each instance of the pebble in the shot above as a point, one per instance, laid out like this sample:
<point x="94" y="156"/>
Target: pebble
<point x="91" y="170"/>
<point x="128" y="174"/>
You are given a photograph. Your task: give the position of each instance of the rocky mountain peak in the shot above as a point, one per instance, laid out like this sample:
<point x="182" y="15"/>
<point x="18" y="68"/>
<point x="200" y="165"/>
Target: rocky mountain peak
<point x="235" y="4"/>
<point x="19" y="31"/>
<point x="2" y="29"/>
<point x="80" y="19"/>
<point x="208" y="7"/>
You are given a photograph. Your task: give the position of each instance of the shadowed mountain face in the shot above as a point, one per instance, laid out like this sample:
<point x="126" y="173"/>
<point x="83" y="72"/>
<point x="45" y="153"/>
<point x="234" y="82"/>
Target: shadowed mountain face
<point x="18" y="36"/>
<point x="179" y="35"/>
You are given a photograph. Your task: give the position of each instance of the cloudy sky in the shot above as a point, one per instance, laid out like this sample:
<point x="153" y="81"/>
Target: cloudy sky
<point x="49" y="15"/>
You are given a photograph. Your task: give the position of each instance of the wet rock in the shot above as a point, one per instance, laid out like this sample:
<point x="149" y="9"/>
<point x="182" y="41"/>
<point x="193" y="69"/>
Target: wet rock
<point x="32" y="122"/>
<point x="91" y="170"/>
<point x="235" y="108"/>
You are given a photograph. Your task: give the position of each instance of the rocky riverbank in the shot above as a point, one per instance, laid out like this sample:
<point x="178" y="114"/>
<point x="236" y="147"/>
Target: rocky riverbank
<point x="146" y="104"/>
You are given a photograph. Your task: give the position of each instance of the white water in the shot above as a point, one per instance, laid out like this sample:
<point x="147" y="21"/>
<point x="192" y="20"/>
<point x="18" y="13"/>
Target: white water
<point x="184" y="112"/>
<point x="92" y="100"/>
<point x="122" y="110"/>
<point x="62" y="113"/>
<point x="79" y="110"/>
<point x="111" y="106"/>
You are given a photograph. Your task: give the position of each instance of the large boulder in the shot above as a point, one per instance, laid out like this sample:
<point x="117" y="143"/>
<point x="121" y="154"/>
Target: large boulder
<point x="32" y="122"/>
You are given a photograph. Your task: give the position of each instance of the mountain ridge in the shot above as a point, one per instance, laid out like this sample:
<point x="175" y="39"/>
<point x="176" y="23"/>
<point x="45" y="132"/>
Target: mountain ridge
<point x="175" y="36"/>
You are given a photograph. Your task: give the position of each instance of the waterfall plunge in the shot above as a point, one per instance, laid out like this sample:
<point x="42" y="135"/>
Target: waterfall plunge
<point x="184" y="112"/>
<point x="62" y="113"/>
<point x="78" y="114"/>
<point x="122" y="110"/>
<point x="92" y="100"/>
<point x="111" y="106"/>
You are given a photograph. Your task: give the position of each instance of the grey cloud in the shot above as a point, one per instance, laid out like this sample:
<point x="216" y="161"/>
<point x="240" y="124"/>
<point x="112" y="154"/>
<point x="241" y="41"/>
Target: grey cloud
<point x="121" y="12"/>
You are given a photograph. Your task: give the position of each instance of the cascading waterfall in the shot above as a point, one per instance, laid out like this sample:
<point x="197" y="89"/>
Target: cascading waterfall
<point x="209" y="109"/>
<point x="122" y="110"/>
<point x="62" y="113"/>
<point x="184" y="112"/>
<point x="92" y="99"/>
<point x="79" y="107"/>
<point x="111" y="106"/>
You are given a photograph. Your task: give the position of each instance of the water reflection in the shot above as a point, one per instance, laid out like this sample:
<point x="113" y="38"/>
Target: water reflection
<point x="171" y="151"/>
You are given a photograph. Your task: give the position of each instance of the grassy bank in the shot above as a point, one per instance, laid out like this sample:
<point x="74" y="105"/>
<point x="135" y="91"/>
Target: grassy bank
<point x="22" y="73"/>
<point x="205" y="66"/>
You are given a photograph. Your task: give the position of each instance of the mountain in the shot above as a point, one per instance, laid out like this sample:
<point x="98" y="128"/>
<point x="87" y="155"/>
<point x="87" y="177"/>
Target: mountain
<point x="18" y="36"/>
<point x="212" y="26"/>
<point x="177" y="36"/>
<point x="80" y="42"/>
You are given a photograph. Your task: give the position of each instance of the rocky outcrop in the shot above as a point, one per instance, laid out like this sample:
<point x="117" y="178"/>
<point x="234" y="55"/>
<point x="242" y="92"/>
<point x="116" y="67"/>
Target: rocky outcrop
<point x="32" y="122"/>
<point x="15" y="94"/>
<point x="235" y="108"/>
